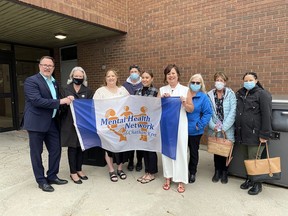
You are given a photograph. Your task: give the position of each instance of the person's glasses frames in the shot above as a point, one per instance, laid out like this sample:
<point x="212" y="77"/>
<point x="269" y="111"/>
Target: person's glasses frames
<point x="47" y="66"/>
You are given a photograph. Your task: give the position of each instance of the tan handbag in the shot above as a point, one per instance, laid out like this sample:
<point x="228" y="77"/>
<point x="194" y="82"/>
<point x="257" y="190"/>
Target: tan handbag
<point x="263" y="169"/>
<point x="220" y="146"/>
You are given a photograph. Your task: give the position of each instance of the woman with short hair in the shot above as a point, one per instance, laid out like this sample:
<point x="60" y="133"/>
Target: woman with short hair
<point x="223" y="102"/>
<point x="76" y="86"/>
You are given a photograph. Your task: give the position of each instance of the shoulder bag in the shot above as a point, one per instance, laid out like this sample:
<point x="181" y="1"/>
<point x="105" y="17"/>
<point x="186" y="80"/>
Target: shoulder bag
<point x="263" y="169"/>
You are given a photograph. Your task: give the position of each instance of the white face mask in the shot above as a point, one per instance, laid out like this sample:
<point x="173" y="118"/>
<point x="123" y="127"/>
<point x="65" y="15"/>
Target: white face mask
<point x="219" y="85"/>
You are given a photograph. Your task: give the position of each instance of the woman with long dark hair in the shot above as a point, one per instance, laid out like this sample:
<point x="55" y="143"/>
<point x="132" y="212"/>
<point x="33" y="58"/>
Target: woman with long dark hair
<point x="253" y="122"/>
<point x="150" y="158"/>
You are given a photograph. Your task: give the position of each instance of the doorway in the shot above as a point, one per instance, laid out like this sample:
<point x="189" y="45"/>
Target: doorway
<point x="7" y="92"/>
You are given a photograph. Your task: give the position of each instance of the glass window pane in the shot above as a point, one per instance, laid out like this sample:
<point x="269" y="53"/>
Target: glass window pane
<point x="23" y="70"/>
<point x="4" y="46"/>
<point x="6" y="119"/>
<point x="30" y="53"/>
<point x="4" y="79"/>
<point x="69" y="53"/>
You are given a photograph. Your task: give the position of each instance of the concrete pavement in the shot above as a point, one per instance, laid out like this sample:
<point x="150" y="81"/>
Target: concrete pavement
<point x="20" y="195"/>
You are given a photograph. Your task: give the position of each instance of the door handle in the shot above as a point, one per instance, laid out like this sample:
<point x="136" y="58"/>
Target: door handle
<point x="284" y="113"/>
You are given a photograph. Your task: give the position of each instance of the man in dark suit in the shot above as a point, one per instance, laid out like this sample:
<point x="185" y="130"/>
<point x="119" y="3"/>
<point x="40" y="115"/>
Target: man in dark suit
<point x="40" y="114"/>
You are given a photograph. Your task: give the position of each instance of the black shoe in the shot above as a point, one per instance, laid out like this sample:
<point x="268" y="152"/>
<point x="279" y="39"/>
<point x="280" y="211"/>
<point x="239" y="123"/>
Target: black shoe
<point x="139" y="166"/>
<point x="82" y="177"/>
<point x="76" y="182"/>
<point x="130" y="166"/>
<point x="256" y="189"/>
<point x="246" y="185"/>
<point x="46" y="187"/>
<point x="224" y="177"/>
<point x="58" y="181"/>
<point x="192" y="178"/>
<point x="216" y="176"/>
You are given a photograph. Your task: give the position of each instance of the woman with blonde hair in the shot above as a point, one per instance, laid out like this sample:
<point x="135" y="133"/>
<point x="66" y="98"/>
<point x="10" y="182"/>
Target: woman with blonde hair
<point x="76" y="86"/>
<point x="197" y="121"/>
<point x="112" y="89"/>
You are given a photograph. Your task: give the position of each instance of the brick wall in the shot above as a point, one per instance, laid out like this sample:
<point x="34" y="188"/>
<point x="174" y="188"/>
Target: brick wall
<point x="200" y="37"/>
<point x="110" y="13"/>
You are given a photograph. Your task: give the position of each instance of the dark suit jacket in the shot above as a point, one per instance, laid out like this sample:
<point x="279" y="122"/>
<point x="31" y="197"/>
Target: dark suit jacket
<point x="39" y="104"/>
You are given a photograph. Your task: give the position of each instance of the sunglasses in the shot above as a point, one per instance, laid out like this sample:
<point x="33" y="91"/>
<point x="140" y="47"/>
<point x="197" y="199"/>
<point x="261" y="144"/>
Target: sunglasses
<point x="197" y="83"/>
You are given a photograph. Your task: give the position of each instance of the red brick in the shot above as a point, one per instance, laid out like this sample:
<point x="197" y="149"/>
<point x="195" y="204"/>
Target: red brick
<point x="199" y="36"/>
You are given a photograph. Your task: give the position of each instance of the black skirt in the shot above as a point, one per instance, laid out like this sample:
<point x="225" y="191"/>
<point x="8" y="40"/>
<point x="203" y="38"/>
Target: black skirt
<point x="118" y="158"/>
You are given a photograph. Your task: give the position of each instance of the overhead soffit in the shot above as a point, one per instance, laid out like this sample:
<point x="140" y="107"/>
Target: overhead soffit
<point x="31" y="26"/>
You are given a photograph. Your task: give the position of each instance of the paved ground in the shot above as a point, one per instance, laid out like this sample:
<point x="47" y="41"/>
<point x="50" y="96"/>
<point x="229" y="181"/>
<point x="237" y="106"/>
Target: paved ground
<point x="20" y="195"/>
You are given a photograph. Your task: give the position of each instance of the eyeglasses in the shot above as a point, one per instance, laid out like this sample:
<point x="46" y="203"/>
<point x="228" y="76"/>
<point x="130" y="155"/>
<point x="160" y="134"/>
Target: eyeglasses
<point x="197" y="83"/>
<point x="47" y="66"/>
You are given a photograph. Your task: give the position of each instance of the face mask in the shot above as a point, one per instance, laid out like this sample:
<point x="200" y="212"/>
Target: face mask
<point x="134" y="76"/>
<point x="219" y="85"/>
<point x="195" y="87"/>
<point x="249" y="85"/>
<point x="77" y="81"/>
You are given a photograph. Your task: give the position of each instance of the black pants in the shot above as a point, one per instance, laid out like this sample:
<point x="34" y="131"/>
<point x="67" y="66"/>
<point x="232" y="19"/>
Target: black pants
<point x="75" y="159"/>
<point x="220" y="163"/>
<point x="150" y="160"/>
<point x="139" y="155"/>
<point x="193" y="144"/>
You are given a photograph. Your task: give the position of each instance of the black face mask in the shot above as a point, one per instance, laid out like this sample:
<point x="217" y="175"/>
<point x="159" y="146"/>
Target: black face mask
<point x="77" y="81"/>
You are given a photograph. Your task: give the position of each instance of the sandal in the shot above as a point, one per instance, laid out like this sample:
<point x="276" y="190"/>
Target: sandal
<point x="181" y="188"/>
<point x="147" y="179"/>
<point x="166" y="186"/>
<point x="113" y="176"/>
<point x="121" y="174"/>
<point x="140" y="179"/>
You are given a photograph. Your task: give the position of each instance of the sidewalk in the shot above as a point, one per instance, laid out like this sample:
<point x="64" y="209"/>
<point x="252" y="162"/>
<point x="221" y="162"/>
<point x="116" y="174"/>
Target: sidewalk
<point x="20" y="195"/>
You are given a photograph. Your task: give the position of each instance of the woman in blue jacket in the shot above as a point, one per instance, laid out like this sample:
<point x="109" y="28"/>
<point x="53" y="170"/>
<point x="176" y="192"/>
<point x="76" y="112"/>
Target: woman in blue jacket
<point x="197" y="121"/>
<point x="223" y="102"/>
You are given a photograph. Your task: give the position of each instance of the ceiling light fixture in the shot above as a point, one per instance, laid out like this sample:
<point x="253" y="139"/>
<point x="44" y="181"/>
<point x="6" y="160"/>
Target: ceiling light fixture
<point x="60" y="36"/>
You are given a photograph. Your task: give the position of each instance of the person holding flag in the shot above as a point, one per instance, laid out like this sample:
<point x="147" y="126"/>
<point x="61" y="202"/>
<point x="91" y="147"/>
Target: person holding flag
<point x="111" y="89"/>
<point x="150" y="158"/>
<point x="76" y="86"/>
<point x="177" y="170"/>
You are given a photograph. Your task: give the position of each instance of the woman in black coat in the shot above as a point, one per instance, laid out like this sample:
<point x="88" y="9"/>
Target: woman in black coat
<point x="253" y="122"/>
<point x="76" y="86"/>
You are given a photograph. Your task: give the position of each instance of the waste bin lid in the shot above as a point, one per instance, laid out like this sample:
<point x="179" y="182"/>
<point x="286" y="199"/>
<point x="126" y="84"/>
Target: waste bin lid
<point x="280" y="101"/>
<point x="279" y="98"/>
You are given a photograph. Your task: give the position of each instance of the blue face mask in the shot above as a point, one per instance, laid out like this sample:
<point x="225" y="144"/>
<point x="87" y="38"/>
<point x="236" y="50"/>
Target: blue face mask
<point x="134" y="76"/>
<point x="195" y="87"/>
<point x="249" y="85"/>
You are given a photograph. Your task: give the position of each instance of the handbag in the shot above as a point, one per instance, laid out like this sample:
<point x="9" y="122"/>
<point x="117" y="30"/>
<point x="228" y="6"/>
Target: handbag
<point x="220" y="146"/>
<point x="263" y="169"/>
